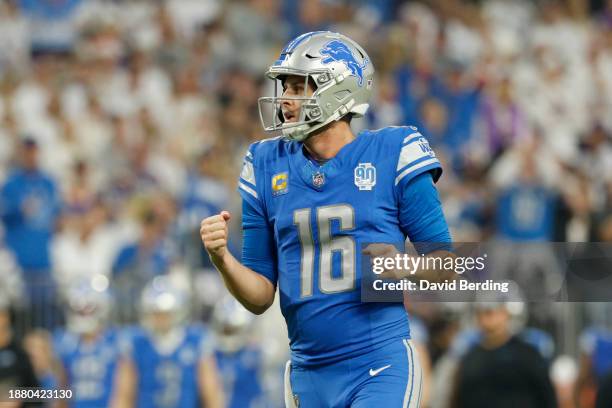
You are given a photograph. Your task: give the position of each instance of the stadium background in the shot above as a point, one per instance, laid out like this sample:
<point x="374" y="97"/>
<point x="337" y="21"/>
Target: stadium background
<point x="141" y="112"/>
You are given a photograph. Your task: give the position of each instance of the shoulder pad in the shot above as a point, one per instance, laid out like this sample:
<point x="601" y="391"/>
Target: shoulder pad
<point x="415" y="155"/>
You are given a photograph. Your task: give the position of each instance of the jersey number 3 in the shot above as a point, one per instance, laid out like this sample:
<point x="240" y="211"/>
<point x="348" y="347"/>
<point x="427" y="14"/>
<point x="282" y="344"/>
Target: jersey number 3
<point x="327" y="246"/>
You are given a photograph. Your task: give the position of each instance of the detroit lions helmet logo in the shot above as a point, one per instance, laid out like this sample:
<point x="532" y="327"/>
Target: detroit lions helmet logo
<point x="336" y="50"/>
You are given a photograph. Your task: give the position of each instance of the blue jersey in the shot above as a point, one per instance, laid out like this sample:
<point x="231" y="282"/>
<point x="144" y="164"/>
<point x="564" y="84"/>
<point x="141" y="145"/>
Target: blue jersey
<point x="597" y="344"/>
<point x="240" y="372"/>
<point x="167" y="376"/>
<point x="90" y="367"/>
<point x="319" y="217"/>
<point x="526" y="213"/>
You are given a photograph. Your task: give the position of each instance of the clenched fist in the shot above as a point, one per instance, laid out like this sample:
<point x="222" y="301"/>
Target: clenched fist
<point x="213" y="231"/>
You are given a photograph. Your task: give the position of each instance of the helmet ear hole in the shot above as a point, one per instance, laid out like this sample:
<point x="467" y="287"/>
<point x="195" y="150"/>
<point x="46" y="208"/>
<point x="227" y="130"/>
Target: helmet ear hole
<point x="312" y="83"/>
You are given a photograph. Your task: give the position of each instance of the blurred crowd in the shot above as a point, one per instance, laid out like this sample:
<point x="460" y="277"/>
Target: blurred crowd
<point x="123" y="123"/>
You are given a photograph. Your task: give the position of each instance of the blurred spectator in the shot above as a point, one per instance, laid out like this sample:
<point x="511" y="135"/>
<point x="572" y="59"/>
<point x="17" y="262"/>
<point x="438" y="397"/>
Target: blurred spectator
<point x="14" y="37"/>
<point x="503" y="120"/>
<point x="526" y="208"/>
<point x="502" y="368"/>
<point x="596" y="158"/>
<point x="258" y="33"/>
<point x="93" y="131"/>
<point x="86" y="245"/>
<point x="53" y="24"/>
<point x="387" y="110"/>
<point x="31" y="205"/>
<point x="8" y="133"/>
<point x="30" y="208"/>
<point x="442" y="103"/>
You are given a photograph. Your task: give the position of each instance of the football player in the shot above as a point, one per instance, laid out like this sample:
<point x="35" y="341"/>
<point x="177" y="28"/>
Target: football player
<point x="167" y="363"/>
<point x="239" y="359"/>
<point x="88" y="349"/>
<point x="311" y="198"/>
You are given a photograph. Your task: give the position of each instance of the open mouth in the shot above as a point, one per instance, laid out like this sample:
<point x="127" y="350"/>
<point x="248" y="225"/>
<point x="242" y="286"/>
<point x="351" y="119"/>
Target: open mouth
<point x="289" y="116"/>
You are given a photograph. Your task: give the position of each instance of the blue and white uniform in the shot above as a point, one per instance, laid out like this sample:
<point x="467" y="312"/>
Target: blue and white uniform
<point x="304" y="225"/>
<point x="90" y="367"/>
<point x="167" y="375"/>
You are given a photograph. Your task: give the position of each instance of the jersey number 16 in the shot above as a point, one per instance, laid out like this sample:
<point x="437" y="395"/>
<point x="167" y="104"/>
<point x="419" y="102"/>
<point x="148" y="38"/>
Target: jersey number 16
<point x="327" y="245"/>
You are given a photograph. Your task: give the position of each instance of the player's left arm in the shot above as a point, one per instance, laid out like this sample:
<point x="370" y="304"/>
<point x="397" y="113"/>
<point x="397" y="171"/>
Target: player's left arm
<point x="420" y="211"/>
<point x="423" y="222"/>
<point x="209" y="383"/>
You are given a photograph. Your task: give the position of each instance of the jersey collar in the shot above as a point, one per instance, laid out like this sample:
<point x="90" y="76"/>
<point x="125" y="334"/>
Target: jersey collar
<point x="318" y="177"/>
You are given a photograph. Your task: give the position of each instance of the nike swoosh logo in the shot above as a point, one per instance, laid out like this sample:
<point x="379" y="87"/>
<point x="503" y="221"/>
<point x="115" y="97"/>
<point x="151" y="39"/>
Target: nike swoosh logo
<point x="378" y="370"/>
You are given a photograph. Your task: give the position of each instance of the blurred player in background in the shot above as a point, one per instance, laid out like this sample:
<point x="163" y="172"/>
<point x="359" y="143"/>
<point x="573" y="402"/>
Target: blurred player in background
<point x="501" y="367"/>
<point x="310" y="200"/>
<point x="166" y="362"/>
<point x="88" y="349"/>
<point x="239" y="360"/>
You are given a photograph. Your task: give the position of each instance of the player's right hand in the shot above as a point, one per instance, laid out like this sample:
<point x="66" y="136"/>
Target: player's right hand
<point x="213" y="231"/>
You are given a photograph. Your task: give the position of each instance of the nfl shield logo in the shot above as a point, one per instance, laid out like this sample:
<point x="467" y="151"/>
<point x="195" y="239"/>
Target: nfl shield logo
<point x="365" y="176"/>
<point x="318" y="179"/>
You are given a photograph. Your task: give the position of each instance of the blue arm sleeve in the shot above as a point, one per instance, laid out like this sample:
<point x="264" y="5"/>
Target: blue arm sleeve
<point x="258" y="246"/>
<point x="421" y="217"/>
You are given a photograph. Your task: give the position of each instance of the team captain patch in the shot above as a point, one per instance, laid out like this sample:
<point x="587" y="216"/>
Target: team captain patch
<point x="280" y="184"/>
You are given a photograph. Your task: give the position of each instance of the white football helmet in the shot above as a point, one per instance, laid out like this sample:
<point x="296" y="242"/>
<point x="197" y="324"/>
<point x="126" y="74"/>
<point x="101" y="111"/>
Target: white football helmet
<point x="341" y="72"/>
<point x="88" y="306"/>
<point x="164" y="305"/>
